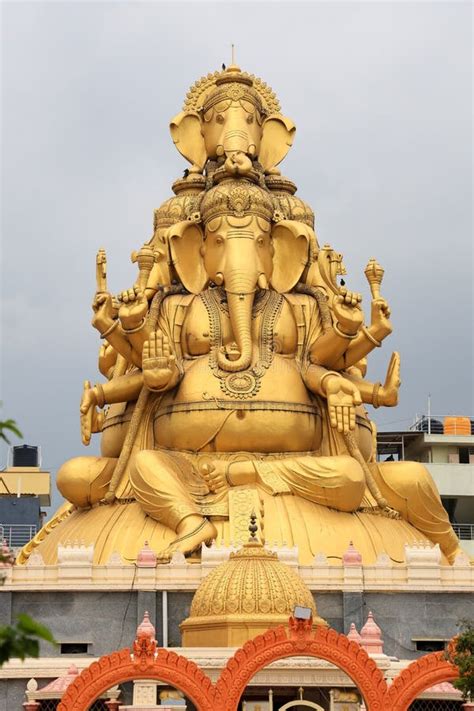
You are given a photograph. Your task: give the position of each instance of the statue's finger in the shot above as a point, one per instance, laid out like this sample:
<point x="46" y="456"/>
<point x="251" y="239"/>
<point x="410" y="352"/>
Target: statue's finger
<point x="345" y="419"/>
<point x="159" y="344"/>
<point x="166" y="346"/>
<point x="332" y="416"/>
<point x="352" y="419"/>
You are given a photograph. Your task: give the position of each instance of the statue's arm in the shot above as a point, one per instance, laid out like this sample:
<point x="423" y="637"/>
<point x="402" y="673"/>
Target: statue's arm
<point x="106" y="322"/>
<point x="369" y="337"/>
<point x="124" y="388"/>
<point x="341" y="394"/>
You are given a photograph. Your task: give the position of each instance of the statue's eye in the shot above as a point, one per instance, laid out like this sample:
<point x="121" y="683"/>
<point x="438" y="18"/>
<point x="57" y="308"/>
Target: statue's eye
<point x="219" y="240"/>
<point x="250" y="118"/>
<point x="260" y="241"/>
<point x="219" y="118"/>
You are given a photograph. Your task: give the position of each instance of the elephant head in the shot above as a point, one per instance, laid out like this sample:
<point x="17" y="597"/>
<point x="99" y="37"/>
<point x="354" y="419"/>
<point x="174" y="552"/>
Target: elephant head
<point x="239" y="251"/>
<point x="232" y="121"/>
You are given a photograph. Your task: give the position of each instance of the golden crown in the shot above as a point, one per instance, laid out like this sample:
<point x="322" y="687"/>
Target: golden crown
<point x="237" y="198"/>
<point x="231" y="83"/>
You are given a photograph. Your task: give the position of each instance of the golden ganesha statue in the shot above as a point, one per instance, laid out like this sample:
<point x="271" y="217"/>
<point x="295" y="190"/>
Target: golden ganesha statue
<point x="235" y="369"/>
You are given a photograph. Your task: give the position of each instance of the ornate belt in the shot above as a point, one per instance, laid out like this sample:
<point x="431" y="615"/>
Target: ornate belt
<point x="239" y="405"/>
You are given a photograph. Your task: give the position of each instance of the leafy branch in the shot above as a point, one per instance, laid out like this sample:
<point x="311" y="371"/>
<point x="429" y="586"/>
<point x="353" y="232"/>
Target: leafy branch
<point x="22" y="640"/>
<point x="460" y="653"/>
<point x="9" y="426"/>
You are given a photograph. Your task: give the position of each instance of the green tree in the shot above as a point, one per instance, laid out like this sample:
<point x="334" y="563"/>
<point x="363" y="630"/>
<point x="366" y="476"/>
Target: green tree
<point x="460" y="653"/>
<point x="21" y="639"/>
<point x="9" y="426"/>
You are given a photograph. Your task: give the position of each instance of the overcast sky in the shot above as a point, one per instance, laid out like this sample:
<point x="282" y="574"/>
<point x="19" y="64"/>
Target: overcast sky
<point x="381" y="97"/>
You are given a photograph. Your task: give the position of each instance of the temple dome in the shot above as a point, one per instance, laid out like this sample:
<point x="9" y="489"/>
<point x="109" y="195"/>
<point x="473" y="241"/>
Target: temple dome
<point x="243" y="597"/>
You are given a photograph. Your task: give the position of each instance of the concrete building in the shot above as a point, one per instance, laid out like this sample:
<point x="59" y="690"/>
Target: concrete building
<point x="24" y="489"/>
<point x="446" y="446"/>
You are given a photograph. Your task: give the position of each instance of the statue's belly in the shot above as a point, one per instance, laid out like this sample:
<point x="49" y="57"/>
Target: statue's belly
<point x="280" y="417"/>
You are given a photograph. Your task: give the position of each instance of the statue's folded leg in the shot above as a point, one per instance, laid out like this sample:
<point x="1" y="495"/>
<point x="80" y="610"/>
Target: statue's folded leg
<point x="409" y="488"/>
<point x="84" y="481"/>
<point x="156" y="482"/>
<point x="337" y="482"/>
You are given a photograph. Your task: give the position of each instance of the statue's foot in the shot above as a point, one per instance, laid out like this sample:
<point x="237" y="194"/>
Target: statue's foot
<point x="190" y="538"/>
<point x="388" y="394"/>
<point x="386" y="511"/>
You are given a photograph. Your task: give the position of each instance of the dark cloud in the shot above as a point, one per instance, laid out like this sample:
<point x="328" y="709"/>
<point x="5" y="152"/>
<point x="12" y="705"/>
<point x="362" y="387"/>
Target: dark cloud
<point x="380" y="93"/>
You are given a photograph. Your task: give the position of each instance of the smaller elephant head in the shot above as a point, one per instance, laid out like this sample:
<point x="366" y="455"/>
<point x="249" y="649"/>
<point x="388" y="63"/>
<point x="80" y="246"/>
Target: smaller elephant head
<point x="241" y="254"/>
<point x="232" y="122"/>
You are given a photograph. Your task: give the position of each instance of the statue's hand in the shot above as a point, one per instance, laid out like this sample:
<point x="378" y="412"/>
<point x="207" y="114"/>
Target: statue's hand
<point x="133" y="307"/>
<point x="158" y="363"/>
<point x="214" y="476"/>
<point x="92" y="420"/>
<point x="107" y="360"/>
<point x="380" y="326"/>
<point x="347" y="311"/>
<point x="342" y="397"/>
<point x="104" y="311"/>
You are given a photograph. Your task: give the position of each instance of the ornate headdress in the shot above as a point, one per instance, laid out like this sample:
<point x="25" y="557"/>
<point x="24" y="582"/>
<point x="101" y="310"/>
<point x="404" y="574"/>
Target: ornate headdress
<point x="231" y="84"/>
<point x="237" y="198"/>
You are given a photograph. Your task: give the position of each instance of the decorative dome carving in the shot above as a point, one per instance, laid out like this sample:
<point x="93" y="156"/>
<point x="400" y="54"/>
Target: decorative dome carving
<point x="245" y="596"/>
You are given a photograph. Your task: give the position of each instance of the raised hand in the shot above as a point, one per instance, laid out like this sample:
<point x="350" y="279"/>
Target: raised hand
<point x="380" y="326"/>
<point x="158" y="363"/>
<point x="104" y="311"/>
<point x="347" y="311"/>
<point x="91" y="419"/>
<point x="389" y="394"/>
<point x="342" y="398"/>
<point x="133" y="307"/>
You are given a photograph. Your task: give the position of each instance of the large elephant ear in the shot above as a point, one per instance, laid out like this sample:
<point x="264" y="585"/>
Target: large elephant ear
<point x="291" y="242"/>
<point x="185" y="240"/>
<point x="186" y="133"/>
<point x="278" y="134"/>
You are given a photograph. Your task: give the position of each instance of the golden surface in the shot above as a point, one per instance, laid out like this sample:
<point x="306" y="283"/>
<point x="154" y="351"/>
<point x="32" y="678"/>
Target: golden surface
<point x="234" y="368"/>
<point x="243" y="597"/>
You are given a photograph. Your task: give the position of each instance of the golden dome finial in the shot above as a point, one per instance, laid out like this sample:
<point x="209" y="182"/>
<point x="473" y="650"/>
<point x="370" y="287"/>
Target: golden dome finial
<point x="248" y="594"/>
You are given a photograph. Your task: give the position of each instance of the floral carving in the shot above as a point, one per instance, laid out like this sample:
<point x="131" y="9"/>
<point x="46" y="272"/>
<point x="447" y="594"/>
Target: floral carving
<point x="120" y="666"/>
<point x="424" y="672"/>
<point x="300" y="639"/>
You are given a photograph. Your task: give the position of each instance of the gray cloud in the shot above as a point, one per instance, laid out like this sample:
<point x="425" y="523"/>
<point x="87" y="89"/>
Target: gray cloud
<point x="380" y="94"/>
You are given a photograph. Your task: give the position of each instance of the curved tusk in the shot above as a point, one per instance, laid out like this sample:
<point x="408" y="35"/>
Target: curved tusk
<point x="262" y="281"/>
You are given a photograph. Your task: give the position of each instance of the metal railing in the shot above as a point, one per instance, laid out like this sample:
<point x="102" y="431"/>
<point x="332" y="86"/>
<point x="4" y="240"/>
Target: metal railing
<point x="464" y="531"/>
<point x="17" y="534"/>
<point x="437" y="424"/>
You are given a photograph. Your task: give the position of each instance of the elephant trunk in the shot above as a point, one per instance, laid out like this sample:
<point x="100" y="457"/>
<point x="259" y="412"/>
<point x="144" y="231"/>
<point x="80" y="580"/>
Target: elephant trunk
<point x="236" y="140"/>
<point x="240" y="296"/>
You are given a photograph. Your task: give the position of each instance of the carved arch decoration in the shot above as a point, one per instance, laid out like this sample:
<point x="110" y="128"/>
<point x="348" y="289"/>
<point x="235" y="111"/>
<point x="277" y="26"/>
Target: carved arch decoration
<point x="301" y="641"/>
<point x="146" y="661"/>
<point x="121" y="666"/>
<point x="424" y="672"/>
